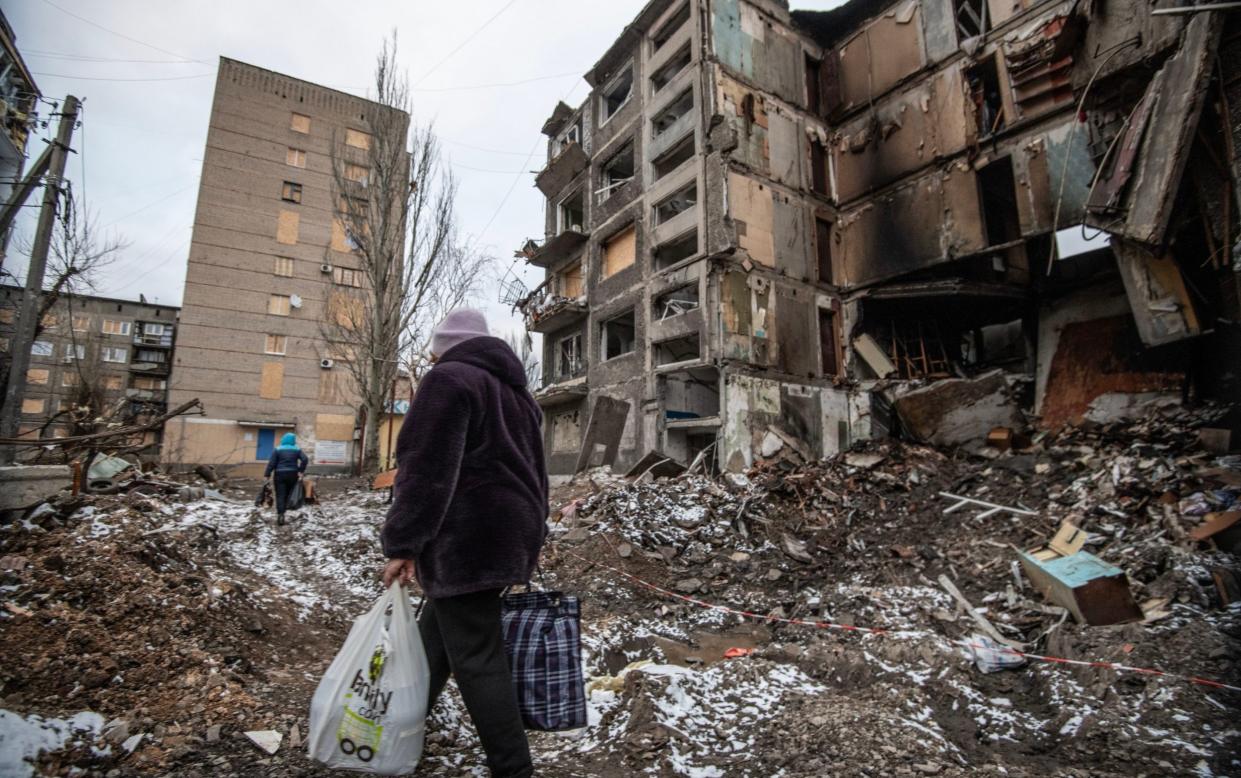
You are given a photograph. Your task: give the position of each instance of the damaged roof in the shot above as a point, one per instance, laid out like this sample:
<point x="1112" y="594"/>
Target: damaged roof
<point x="827" y="28"/>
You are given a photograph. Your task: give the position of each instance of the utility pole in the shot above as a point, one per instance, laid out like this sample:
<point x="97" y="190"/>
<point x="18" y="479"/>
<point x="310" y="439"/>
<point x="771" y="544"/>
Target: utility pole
<point x="23" y="337"/>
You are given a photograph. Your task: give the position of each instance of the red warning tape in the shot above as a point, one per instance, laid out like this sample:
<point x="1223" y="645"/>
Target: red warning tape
<point x="1193" y="679"/>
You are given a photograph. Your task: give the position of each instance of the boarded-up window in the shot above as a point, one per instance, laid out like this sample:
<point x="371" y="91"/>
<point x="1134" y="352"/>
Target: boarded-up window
<point x="571" y="282"/>
<point x="823" y="249"/>
<point x="357" y="173"/>
<point x="357" y="139"/>
<point x="33" y="405"/>
<point x="278" y="305"/>
<point x="69" y="378"/>
<point x="334" y="387"/>
<point x="619" y="251"/>
<point x="286" y="227"/>
<point x="6" y="316"/>
<point x="37" y="376"/>
<point x="284" y="267"/>
<point x="295" y="157"/>
<point x="113" y="383"/>
<point x="346" y="276"/>
<point x="115" y="327"/>
<point x="300" y="123"/>
<point x="271" y="383"/>
<point x="275" y="344"/>
<point x="342" y="240"/>
<point x="49" y="321"/>
<point x="81" y="322"/>
<point x="333" y="426"/>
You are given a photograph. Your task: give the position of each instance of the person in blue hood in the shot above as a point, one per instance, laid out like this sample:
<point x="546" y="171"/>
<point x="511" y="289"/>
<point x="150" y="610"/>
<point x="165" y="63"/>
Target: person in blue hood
<point x="285" y="468"/>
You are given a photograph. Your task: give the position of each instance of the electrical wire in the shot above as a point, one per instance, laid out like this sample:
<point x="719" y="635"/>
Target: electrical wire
<point x="123" y="35"/>
<point x="461" y="45"/>
<point x="87" y="58"/>
<point x="101" y="78"/>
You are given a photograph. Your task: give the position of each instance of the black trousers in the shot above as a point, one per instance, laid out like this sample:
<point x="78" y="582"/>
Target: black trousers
<point x="462" y="636"/>
<point x="283" y="482"/>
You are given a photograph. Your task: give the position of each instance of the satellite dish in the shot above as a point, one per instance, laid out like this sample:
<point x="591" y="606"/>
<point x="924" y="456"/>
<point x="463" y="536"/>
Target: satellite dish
<point x="295" y="300"/>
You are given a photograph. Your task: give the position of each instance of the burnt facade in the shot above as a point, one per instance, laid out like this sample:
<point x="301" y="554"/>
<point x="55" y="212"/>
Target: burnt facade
<point x="775" y="231"/>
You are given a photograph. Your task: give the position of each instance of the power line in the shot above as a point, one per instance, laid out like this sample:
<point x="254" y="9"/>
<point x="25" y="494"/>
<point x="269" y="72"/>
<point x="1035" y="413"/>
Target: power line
<point x="87" y="58"/>
<point x="100" y="78"/>
<point x="490" y="170"/>
<point x="461" y="45"/>
<point x="122" y="35"/>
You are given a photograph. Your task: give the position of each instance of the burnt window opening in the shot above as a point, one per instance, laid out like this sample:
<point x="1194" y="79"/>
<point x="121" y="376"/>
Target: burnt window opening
<point x="679" y="107"/>
<point x="997" y="192"/>
<point x="677" y="203"/>
<point x="814" y="89"/>
<point x="984" y="84"/>
<point x="569" y="362"/>
<point x="617" y="172"/>
<point x="616" y="94"/>
<point x="670" y="69"/>
<point x="669" y="28"/>
<point x="569" y="136"/>
<point x="828" y="344"/>
<point x="617" y="336"/>
<point x="291" y="192"/>
<point x="818" y="167"/>
<point x="823" y="249"/>
<point x="673" y="158"/>
<point x="689" y="395"/>
<point x="571" y="213"/>
<point x="676" y="250"/>
<point x="676" y="302"/>
<point x="971" y="18"/>
<point x="671" y="352"/>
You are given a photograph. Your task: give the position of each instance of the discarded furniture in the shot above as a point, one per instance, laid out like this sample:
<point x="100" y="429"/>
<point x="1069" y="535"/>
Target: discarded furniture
<point x="1094" y="591"/>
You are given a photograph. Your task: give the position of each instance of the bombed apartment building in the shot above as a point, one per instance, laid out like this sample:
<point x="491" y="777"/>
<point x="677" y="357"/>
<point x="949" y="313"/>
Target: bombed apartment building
<point x="772" y="233"/>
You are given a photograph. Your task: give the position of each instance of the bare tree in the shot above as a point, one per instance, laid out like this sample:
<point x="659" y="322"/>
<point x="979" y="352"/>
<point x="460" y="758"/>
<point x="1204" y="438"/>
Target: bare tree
<point x="393" y="243"/>
<point x="523" y="347"/>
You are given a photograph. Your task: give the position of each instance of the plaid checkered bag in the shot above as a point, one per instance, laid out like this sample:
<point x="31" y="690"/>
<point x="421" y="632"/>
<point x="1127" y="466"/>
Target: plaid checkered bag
<point x="542" y="635"/>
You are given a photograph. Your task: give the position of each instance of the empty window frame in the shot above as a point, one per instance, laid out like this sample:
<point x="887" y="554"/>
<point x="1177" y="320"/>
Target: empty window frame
<point x="818" y="167"/>
<point x="617" y="336"/>
<point x="664" y="120"/>
<point x="814" y="93"/>
<point x="620" y="251"/>
<point x="669" y="28"/>
<point x="358" y="139"/>
<point x="673" y="205"/>
<point x="616" y="94"/>
<point x="971" y="18"/>
<point x="114" y="354"/>
<point x="569" y="362"/>
<point x="74" y="351"/>
<point x="295" y="157"/>
<point x="116" y="327"/>
<point x="617" y="172"/>
<point x="984" y="86"/>
<point x="283" y="267"/>
<point x="673" y="158"/>
<point x="670" y="69"/>
<point x="571" y="213"/>
<point x="299" y="123"/>
<point x="684" y="349"/>
<point x="291" y="192"/>
<point x="827" y="342"/>
<point x="997" y="192"/>
<point x="345" y="276"/>
<point x="570" y="135"/>
<point x="823" y="249"/>
<point x="676" y="250"/>
<point x="278" y="305"/>
<point x="275" y="344"/>
<point x="676" y="302"/>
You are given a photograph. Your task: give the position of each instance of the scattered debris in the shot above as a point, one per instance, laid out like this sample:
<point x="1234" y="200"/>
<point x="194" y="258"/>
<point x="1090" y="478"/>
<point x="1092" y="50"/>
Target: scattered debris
<point x="266" y="739"/>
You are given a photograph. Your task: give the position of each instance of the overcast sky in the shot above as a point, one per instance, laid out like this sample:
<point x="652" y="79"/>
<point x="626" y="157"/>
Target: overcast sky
<point x="487" y="72"/>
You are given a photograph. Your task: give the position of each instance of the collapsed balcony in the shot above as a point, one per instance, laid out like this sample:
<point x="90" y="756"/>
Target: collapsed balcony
<point x="547" y="311"/>
<point x="562" y="169"/>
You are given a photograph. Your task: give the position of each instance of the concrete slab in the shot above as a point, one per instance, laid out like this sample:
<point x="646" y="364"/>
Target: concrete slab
<point x="24" y="487"/>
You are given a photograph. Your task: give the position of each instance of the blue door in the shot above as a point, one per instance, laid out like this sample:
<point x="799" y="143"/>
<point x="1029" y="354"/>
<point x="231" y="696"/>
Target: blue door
<point x="267" y="444"/>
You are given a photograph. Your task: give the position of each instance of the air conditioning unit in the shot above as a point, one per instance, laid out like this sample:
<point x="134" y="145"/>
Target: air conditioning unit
<point x="326" y="364"/>
<point x="325" y="268"/>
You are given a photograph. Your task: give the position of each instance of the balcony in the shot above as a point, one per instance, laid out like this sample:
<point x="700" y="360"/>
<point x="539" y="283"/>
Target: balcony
<point x="565" y="167"/>
<point x="553" y="250"/>
<point x="546" y="312"/>
<point x="148" y="367"/>
<point x="562" y="392"/>
<point x="150" y="396"/>
<point x="154" y="341"/>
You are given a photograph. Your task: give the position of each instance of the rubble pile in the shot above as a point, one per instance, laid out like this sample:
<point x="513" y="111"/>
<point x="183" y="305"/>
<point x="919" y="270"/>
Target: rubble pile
<point x="863" y="539"/>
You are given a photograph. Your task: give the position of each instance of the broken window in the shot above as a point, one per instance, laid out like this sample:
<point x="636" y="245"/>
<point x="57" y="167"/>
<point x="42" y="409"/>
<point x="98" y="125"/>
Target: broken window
<point x="41" y="348"/>
<point x="669" y="352"/>
<point x="818" y="167"/>
<point x="617" y="336"/>
<point x="571" y="213"/>
<point x="617" y="172"/>
<point x="670" y="69"/>
<point x="669" y="28"/>
<point x="664" y="120"/>
<point x="284" y="267"/>
<point x="984" y="84"/>
<point x="74" y="351"/>
<point x="291" y="192"/>
<point x="358" y="174"/>
<point x="569" y="357"/>
<point x="971" y="18"/>
<point x="823" y="248"/>
<point x="998" y="195"/>
<point x="675" y="302"/>
<point x="615" y="94"/>
<point x="679" y="248"/>
<point x="814" y="74"/>
<point x="673" y="158"/>
<point x="677" y="203"/>
<point x="295" y="157"/>
<point x="828" y="343"/>
<point x="619" y="251"/>
<point x="572" y="134"/>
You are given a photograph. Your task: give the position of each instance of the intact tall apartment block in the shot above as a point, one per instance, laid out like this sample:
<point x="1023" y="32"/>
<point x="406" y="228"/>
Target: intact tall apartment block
<point x="773" y="231"/>
<point x="269" y="253"/>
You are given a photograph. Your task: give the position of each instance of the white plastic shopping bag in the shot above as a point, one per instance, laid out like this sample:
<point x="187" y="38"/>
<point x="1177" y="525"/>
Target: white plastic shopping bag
<point x="369" y="712"/>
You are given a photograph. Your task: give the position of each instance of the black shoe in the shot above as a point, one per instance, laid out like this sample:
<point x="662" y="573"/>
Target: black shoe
<point x="280" y="520"/>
